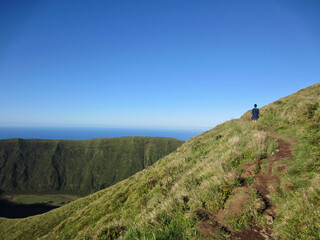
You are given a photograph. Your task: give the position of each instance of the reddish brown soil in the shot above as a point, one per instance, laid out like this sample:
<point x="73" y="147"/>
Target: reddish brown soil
<point x="282" y="168"/>
<point x="236" y="204"/>
<point x="254" y="232"/>
<point x="207" y="229"/>
<point x="249" y="169"/>
<point x="233" y="206"/>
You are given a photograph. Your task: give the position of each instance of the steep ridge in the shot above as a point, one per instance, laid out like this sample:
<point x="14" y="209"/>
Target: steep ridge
<point x="236" y="181"/>
<point x="76" y="167"/>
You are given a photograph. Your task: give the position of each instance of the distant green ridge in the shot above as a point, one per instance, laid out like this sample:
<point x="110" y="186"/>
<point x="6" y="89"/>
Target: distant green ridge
<point x="207" y="188"/>
<point x="76" y="167"/>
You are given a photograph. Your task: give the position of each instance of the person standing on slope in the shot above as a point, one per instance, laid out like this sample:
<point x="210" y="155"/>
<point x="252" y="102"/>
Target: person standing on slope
<point x="255" y="113"/>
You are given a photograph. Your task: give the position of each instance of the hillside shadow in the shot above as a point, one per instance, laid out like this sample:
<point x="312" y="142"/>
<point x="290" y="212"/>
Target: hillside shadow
<point x="17" y="210"/>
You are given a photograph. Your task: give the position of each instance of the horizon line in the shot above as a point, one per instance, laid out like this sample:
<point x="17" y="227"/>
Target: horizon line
<point x="110" y="127"/>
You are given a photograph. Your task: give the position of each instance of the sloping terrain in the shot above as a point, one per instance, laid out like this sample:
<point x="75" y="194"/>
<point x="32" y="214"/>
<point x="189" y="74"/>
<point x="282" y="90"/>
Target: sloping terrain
<point x="240" y="180"/>
<point x="76" y="167"/>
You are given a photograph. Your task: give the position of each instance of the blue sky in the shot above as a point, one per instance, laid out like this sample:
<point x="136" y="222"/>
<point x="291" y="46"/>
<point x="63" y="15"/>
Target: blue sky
<point x="163" y="64"/>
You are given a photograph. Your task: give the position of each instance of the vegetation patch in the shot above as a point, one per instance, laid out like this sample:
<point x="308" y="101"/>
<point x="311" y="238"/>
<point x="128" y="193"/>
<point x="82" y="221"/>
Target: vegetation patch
<point x="51" y="199"/>
<point x="76" y="167"/>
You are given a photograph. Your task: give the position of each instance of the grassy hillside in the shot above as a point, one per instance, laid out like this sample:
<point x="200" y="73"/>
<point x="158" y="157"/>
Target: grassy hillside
<point x="240" y="180"/>
<point x="76" y="167"/>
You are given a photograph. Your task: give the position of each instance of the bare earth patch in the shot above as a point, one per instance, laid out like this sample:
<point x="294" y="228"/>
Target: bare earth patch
<point x="282" y="168"/>
<point x="208" y="229"/>
<point x="249" y="169"/>
<point x="234" y="206"/>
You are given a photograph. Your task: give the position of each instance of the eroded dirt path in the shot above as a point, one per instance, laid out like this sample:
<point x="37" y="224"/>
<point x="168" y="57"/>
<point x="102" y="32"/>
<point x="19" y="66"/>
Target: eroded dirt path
<point x="266" y="183"/>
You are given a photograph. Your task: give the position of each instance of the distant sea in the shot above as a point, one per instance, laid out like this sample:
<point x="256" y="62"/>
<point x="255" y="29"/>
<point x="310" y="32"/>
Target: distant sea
<point x="82" y="133"/>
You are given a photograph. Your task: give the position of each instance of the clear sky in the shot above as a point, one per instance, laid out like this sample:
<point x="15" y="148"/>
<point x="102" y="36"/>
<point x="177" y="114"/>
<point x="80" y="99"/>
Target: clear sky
<point x="171" y="64"/>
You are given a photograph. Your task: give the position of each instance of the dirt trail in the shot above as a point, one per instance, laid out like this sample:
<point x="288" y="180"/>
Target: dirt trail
<point x="266" y="183"/>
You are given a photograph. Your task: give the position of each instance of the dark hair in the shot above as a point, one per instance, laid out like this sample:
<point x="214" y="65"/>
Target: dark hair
<point x="255" y="105"/>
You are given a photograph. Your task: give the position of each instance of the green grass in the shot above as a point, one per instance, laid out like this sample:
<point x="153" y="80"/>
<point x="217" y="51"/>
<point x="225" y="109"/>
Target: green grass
<point x="51" y="199"/>
<point x="174" y="196"/>
<point x="76" y="167"/>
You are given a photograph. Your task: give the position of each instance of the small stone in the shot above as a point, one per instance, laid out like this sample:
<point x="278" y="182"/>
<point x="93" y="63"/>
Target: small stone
<point x="266" y="237"/>
<point x="269" y="219"/>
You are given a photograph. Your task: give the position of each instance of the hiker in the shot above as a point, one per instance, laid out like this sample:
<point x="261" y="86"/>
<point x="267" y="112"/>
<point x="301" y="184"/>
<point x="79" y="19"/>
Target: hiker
<point x="255" y="113"/>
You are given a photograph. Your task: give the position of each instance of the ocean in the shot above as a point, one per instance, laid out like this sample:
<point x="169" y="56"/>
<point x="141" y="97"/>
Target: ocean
<point x="83" y="133"/>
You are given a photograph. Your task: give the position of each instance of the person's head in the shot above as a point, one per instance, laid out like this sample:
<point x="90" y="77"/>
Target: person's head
<point x="255" y="105"/>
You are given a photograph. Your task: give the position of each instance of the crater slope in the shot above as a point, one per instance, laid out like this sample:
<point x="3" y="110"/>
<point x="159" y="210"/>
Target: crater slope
<point x="76" y="167"/>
